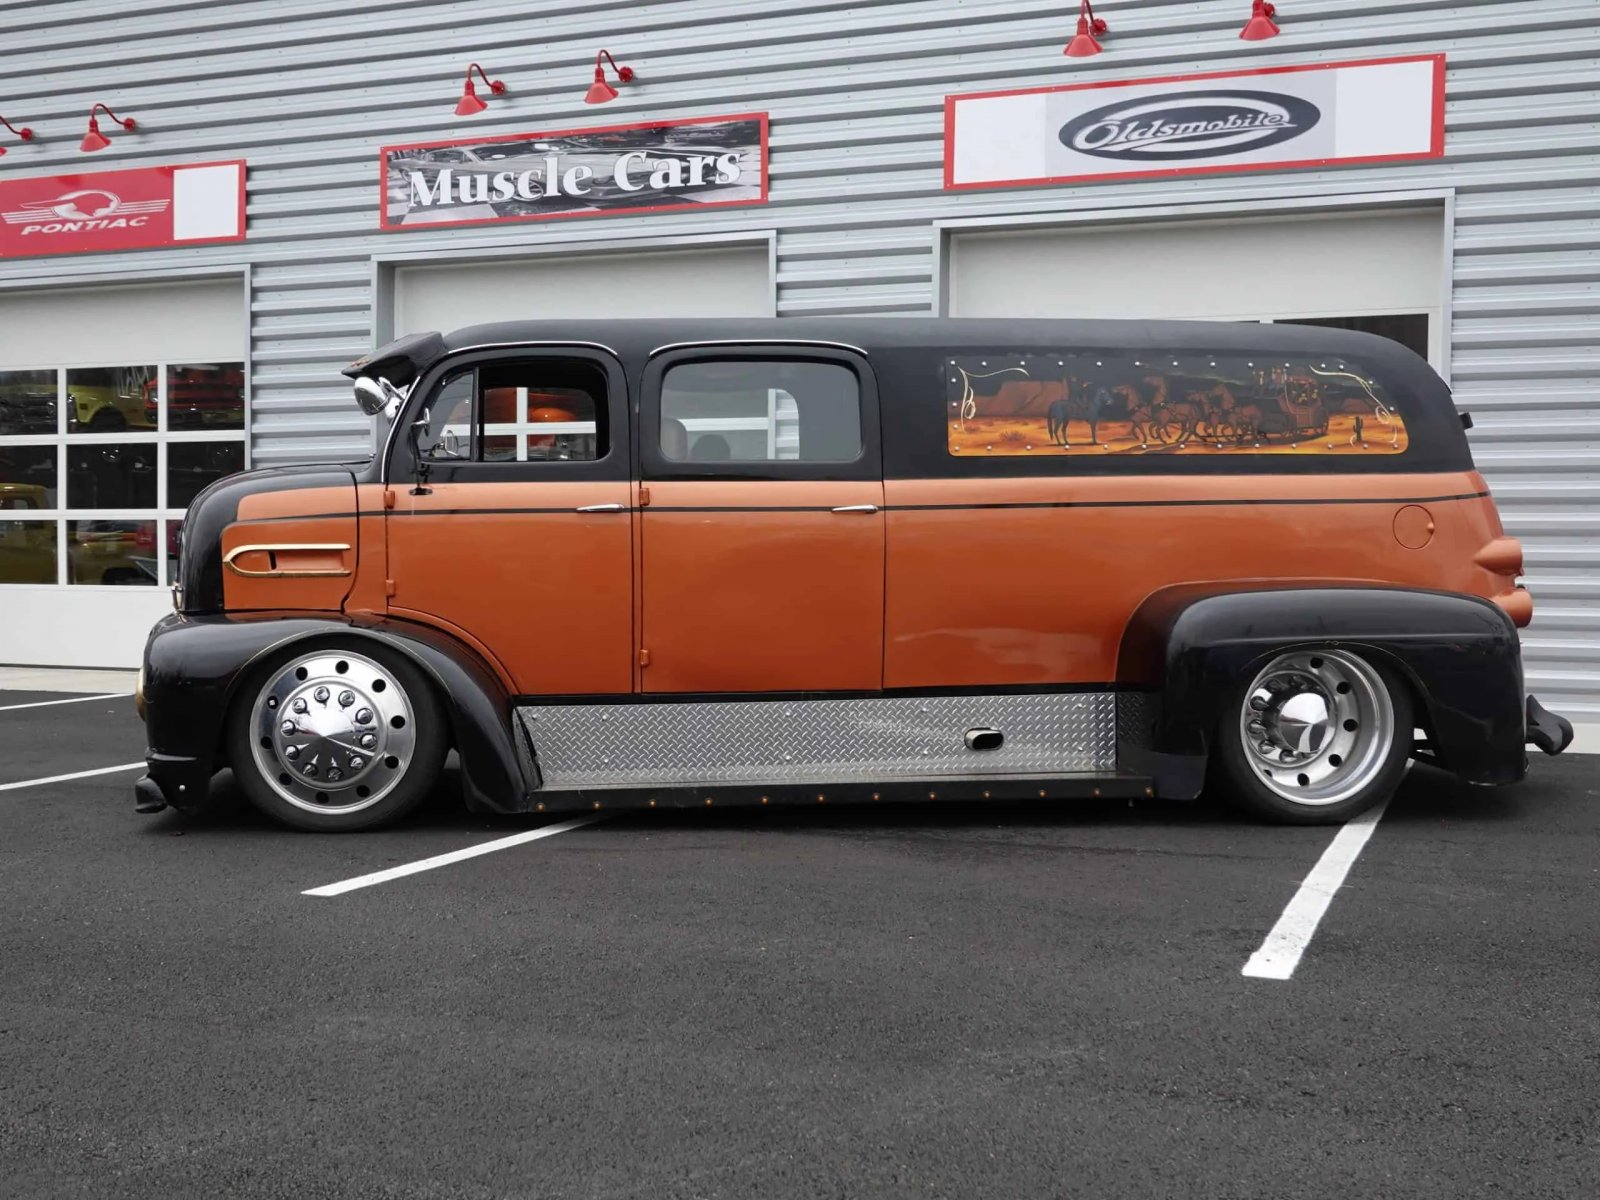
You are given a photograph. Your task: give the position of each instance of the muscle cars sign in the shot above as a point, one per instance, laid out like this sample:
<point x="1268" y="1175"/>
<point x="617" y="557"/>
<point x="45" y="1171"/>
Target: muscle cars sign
<point x="699" y="163"/>
<point x="1280" y="117"/>
<point x="122" y="210"/>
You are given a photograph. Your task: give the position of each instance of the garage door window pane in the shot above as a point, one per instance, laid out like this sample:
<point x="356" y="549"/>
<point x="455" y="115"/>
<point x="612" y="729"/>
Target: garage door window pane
<point x="117" y="553"/>
<point x="27" y="402"/>
<point x="760" y="412"/>
<point x="111" y="399"/>
<point x="205" y="396"/>
<point x="27" y="549"/>
<point x="111" y="475"/>
<point x="193" y="465"/>
<point x="27" y="477"/>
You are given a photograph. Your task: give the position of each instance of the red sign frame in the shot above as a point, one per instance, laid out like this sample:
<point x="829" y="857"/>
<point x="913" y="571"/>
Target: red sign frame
<point x="1436" y="149"/>
<point x="388" y="226"/>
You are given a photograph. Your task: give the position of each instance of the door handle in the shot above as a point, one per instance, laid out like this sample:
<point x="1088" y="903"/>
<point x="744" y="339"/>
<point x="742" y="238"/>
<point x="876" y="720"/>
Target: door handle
<point x="599" y="508"/>
<point x="857" y="508"/>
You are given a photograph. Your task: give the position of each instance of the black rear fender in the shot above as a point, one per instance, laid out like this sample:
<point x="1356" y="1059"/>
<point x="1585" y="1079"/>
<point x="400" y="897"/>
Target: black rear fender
<point x="1193" y="644"/>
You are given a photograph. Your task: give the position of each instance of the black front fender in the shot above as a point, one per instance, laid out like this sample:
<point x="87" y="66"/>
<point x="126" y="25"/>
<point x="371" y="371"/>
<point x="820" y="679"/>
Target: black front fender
<point x="1193" y="646"/>
<point x="194" y="666"/>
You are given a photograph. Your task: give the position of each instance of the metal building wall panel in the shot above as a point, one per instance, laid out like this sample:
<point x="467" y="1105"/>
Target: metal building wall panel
<point x="307" y="92"/>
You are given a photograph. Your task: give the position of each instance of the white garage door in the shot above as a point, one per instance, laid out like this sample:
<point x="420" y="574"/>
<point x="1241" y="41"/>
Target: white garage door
<point x="733" y="282"/>
<point x="117" y="405"/>
<point x="1381" y="273"/>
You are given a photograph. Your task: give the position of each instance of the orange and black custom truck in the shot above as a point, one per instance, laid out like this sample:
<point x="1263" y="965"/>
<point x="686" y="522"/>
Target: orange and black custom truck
<point x="647" y="563"/>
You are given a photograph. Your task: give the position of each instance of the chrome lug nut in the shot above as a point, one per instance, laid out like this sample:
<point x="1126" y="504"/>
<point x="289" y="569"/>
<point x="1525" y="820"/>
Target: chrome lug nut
<point x="357" y="762"/>
<point x="291" y="752"/>
<point x="321" y="694"/>
<point x="346" y="699"/>
<point x="334" y="774"/>
<point x="309" y="769"/>
<point x="288" y="729"/>
<point x="363" y="716"/>
<point x="369" y="740"/>
<point x="299" y="705"/>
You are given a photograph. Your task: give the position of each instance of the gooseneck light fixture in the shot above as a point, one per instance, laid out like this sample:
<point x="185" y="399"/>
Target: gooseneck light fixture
<point x="469" y="103"/>
<point x="94" y="139"/>
<point x="24" y="133"/>
<point x="1261" y="26"/>
<point x="600" y="91"/>
<point x="1090" y="27"/>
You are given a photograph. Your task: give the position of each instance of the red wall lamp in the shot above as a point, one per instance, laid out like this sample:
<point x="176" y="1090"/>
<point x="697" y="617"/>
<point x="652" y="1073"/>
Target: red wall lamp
<point x="1083" y="42"/>
<point x="1261" y="25"/>
<point x="469" y="102"/>
<point x="24" y="133"/>
<point x="600" y="91"/>
<point x="94" y="139"/>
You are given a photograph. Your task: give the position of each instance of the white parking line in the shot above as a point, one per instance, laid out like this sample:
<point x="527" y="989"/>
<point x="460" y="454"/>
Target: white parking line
<point x="68" y="700"/>
<point x="454" y="856"/>
<point x="27" y="783"/>
<point x="1280" y="953"/>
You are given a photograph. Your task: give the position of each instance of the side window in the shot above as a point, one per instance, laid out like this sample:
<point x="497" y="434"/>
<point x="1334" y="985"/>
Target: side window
<point x="544" y="410"/>
<point x="1115" y="402"/>
<point x="760" y="411"/>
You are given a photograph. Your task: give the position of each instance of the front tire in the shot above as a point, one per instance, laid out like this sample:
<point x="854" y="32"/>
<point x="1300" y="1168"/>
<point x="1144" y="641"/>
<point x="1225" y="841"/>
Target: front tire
<point x="332" y="739"/>
<point x="1315" y="737"/>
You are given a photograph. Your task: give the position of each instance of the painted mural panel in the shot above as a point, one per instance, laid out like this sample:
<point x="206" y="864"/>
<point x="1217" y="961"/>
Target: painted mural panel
<point x="1082" y="403"/>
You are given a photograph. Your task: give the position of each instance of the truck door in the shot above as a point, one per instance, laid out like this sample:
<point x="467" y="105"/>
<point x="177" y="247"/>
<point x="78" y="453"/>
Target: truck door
<point x="521" y="539"/>
<point x="762" y="538"/>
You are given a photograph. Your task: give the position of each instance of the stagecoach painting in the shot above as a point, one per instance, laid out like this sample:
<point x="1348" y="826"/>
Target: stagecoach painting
<point x="1088" y="403"/>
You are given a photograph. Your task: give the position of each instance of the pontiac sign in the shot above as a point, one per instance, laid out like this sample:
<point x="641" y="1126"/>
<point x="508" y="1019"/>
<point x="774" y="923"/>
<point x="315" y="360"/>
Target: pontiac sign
<point x="136" y="209"/>
<point x="699" y="163"/>
<point x="1272" y="119"/>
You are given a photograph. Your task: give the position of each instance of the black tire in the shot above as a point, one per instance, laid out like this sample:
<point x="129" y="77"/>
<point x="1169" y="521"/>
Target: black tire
<point x="1357" y="764"/>
<point x="107" y="419"/>
<point x="356" y="787"/>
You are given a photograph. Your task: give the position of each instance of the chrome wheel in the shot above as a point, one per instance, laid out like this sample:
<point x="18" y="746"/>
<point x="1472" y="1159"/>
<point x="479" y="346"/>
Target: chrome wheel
<point x="1317" y="726"/>
<point x="333" y="732"/>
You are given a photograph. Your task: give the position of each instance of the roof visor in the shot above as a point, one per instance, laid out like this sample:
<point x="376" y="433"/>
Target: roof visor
<point x="401" y="361"/>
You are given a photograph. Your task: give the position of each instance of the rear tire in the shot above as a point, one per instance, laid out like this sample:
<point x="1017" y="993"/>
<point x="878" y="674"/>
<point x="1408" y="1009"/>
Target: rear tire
<point x="335" y="739"/>
<point x="1314" y="738"/>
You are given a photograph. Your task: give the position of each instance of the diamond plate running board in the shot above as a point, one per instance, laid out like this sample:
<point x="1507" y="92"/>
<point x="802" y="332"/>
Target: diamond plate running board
<point x="776" y="741"/>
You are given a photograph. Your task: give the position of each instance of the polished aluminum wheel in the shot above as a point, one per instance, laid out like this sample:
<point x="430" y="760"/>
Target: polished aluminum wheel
<point x="334" y="732"/>
<point x="1317" y="726"/>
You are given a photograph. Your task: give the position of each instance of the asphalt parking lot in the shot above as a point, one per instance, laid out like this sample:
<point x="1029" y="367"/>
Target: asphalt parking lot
<point x="938" y="1000"/>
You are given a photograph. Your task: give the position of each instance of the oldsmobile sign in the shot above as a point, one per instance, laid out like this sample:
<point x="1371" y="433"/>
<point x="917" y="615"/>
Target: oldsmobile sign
<point x="1273" y="119"/>
<point x="700" y="163"/>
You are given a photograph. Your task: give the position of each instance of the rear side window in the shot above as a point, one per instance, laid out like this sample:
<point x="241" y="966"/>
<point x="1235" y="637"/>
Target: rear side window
<point x="1133" y="404"/>
<point x="759" y="411"/>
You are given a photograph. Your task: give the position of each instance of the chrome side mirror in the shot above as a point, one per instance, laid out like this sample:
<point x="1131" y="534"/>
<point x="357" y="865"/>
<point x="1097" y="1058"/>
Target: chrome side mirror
<point x="379" y="396"/>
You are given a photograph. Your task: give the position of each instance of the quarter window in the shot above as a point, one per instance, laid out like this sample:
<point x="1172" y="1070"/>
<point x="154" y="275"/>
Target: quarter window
<point x="760" y="411"/>
<point x="1100" y="403"/>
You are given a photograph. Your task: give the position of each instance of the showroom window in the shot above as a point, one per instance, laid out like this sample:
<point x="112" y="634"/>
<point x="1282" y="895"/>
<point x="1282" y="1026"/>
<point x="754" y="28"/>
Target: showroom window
<point x="98" y="463"/>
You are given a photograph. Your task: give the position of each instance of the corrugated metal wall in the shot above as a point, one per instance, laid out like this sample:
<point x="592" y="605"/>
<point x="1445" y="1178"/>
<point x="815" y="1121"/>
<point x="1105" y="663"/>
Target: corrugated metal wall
<point x="308" y="90"/>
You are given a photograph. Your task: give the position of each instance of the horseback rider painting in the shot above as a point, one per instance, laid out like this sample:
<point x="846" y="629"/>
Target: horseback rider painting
<point x="1105" y="402"/>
